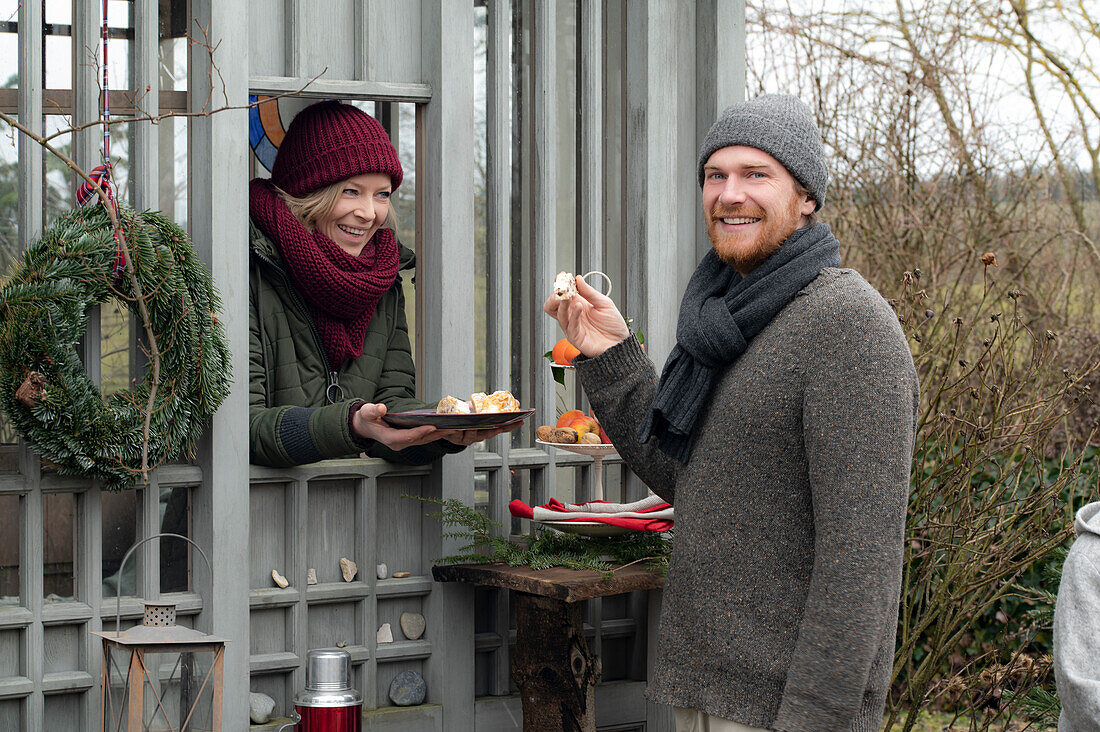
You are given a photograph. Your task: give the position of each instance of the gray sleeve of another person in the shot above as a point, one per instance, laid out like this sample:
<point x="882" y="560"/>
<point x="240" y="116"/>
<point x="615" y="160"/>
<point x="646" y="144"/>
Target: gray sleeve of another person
<point x="1077" y="638"/>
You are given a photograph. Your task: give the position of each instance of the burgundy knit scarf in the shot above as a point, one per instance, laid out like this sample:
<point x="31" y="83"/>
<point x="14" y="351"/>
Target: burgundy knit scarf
<point x="341" y="291"/>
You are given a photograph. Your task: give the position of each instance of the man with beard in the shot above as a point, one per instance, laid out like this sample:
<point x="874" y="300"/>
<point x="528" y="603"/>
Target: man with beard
<point x="782" y="430"/>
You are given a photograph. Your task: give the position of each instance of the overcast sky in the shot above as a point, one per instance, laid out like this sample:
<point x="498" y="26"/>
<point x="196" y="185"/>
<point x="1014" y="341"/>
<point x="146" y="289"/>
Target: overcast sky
<point x="993" y="71"/>
<point x="1003" y="77"/>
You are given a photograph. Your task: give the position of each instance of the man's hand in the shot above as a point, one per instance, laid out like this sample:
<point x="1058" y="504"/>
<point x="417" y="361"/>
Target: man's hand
<point x="367" y="423"/>
<point x="590" y="319"/>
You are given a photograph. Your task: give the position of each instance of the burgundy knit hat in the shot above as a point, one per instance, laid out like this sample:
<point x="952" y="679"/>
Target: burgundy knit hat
<point x="329" y="142"/>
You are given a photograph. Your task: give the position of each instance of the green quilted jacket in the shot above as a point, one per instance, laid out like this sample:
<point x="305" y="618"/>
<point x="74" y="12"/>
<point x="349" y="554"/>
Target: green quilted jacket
<point x="299" y="405"/>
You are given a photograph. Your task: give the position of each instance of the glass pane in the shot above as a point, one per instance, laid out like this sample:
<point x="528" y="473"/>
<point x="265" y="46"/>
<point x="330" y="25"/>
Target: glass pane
<point x="59" y="65"/>
<point x="60" y="184"/>
<point x="173" y="64"/>
<point x="9" y="51"/>
<point x="173" y="169"/>
<point x="114" y="350"/>
<point x="58" y="11"/>
<point x="566" y="484"/>
<point x="182" y="688"/>
<point x="9" y="550"/>
<point x="613" y="483"/>
<point x="120" y="160"/>
<point x="118" y="14"/>
<point x="266" y="127"/>
<point x="9" y="200"/>
<point x="118" y="63"/>
<point x="404" y="204"/>
<point x="119" y="532"/>
<point x="9" y="241"/>
<point x="57" y="534"/>
<point x="173" y="19"/>
<point x="9" y="450"/>
<point x="175" y="554"/>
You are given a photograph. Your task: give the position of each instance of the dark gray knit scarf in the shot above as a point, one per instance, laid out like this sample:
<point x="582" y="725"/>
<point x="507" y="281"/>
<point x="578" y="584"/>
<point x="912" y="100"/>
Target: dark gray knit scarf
<point x="720" y="313"/>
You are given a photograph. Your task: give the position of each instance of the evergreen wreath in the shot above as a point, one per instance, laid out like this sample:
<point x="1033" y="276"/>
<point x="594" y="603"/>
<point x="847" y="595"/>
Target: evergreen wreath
<point x="44" y="306"/>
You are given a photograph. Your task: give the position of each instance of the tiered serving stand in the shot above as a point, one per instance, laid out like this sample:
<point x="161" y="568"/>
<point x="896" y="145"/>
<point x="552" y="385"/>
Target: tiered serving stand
<point x="596" y="452"/>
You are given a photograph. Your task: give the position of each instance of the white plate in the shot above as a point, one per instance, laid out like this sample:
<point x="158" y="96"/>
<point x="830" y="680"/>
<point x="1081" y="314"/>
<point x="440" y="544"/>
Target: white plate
<point x="581" y="448"/>
<point x="586" y="528"/>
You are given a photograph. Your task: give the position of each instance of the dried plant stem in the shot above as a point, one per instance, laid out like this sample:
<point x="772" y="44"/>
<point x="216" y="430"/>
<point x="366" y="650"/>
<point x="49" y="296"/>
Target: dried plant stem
<point x="157" y="118"/>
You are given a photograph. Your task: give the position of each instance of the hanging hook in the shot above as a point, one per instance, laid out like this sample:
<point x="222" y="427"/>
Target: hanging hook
<point x="118" y="596"/>
<point x="601" y="274"/>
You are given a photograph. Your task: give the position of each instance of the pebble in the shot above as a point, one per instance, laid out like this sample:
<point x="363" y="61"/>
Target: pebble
<point x="348" y="568"/>
<point x="412" y="625"/>
<point x="279" y="579"/>
<point x="260" y="707"/>
<point x="311" y="576"/>
<point x="408" y="689"/>
<point x="383" y="571"/>
<point x="400" y="575"/>
<point x="385" y="634"/>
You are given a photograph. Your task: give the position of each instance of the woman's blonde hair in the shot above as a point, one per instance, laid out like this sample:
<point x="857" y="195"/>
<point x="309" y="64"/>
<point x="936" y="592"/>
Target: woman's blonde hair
<point x="318" y="204"/>
<point x="313" y="206"/>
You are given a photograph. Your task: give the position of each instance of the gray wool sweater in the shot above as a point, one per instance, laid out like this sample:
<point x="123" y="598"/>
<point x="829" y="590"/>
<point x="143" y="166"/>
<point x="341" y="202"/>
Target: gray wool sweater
<point x="1076" y="632"/>
<point x="781" y="602"/>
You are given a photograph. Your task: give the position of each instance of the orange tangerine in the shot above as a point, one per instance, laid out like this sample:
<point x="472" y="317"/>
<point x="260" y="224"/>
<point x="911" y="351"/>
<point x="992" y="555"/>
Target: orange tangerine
<point x="564" y="352"/>
<point x="567" y="417"/>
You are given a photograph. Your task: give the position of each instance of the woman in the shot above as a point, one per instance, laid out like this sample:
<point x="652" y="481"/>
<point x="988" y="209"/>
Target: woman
<point x="329" y="347"/>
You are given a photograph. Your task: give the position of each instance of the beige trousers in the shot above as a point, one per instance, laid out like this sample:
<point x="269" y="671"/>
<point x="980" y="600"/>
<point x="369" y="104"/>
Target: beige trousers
<point x="692" y="720"/>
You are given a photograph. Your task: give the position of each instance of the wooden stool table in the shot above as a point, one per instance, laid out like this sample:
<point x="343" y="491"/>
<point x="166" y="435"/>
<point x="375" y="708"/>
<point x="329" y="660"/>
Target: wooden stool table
<point x="551" y="664"/>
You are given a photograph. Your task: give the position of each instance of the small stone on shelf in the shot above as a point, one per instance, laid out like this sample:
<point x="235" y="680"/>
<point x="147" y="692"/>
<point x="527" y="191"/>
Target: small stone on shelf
<point x="348" y="568"/>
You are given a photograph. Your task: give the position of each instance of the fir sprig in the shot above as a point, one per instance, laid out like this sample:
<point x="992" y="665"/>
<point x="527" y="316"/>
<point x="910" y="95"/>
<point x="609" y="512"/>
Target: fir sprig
<point x="486" y="541"/>
<point x="1039" y="705"/>
<point x="1043" y="613"/>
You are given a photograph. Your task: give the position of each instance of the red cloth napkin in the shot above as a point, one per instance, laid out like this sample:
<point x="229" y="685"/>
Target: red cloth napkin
<point x="649" y="514"/>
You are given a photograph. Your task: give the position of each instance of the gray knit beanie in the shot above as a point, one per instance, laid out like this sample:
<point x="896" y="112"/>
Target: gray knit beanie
<point x="781" y="126"/>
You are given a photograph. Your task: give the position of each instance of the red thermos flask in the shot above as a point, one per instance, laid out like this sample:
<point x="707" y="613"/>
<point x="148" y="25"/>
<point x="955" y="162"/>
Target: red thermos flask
<point x="328" y="703"/>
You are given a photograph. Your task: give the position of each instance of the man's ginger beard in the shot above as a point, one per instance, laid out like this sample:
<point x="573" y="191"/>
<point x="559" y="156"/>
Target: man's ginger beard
<point x="745" y="252"/>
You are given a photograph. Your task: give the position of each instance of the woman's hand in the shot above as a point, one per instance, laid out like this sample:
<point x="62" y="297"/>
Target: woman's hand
<point x="469" y="437"/>
<point x="367" y="423"/>
<point x="590" y="319"/>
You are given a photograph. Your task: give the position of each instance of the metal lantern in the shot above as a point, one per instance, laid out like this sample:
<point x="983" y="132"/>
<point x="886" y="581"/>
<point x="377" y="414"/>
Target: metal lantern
<point x="161" y="676"/>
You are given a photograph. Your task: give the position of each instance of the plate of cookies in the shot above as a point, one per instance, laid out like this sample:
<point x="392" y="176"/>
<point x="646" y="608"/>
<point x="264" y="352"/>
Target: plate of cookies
<point x="480" y="411"/>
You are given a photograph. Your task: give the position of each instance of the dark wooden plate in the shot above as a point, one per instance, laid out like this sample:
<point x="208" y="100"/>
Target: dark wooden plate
<point x="479" y="421"/>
